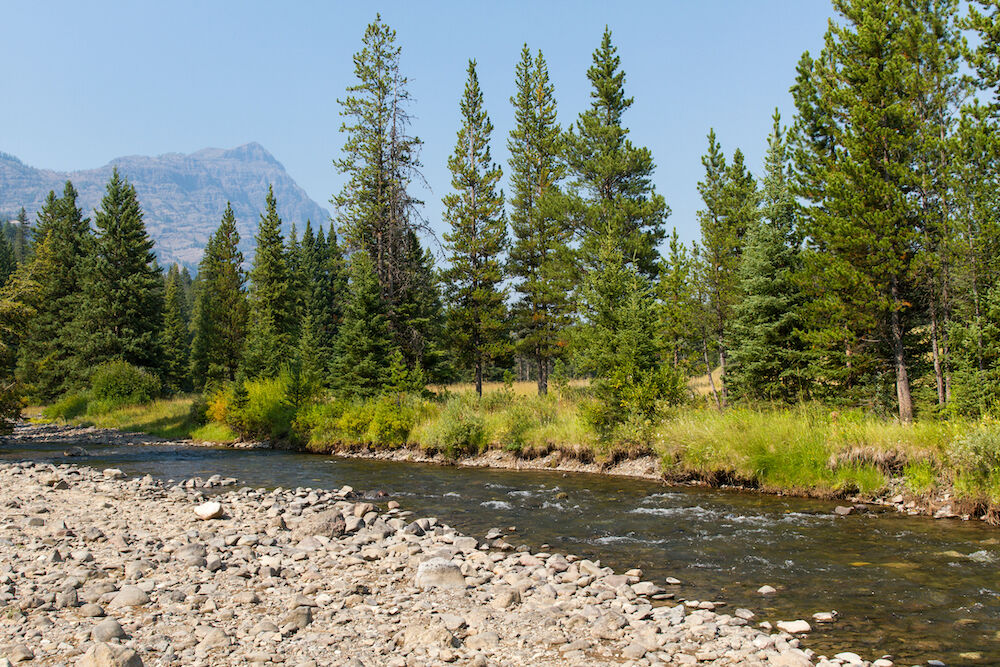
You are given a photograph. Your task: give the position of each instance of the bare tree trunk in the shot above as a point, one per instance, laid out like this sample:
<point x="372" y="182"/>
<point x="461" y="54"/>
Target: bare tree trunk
<point x="543" y="376"/>
<point x="722" y="375"/>
<point x="479" y="378"/>
<point x="935" y="353"/>
<point x="708" y="369"/>
<point x="899" y="352"/>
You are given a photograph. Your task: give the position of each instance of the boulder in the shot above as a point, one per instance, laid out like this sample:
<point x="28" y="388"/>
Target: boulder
<point x="129" y="596"/>
<point x="793" y="627"/>
<point x="209" y="510"/>
<point x="107" y="630"/>
<point x="439" y="573"/>
<point x="109" y="655"/>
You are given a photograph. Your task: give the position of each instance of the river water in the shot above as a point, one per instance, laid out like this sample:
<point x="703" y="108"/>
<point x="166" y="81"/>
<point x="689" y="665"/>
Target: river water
<point x="912" y="587"/>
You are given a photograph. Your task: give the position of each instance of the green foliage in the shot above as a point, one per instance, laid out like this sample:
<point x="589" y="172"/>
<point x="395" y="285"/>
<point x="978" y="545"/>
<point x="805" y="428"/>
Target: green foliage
<point x="613" y="178"/>
<point x="176" y="339"/>
<point x="364" y="344"/>
<point x="458" y="431"/>
<point x="385" y="421"/>
<point x="921" y="477"/>
<point x="69" y="406"/>
<point x="219" y="319"/>
<point x="476" y="240"/>
<point x="118" y="383"/>
<point x="260" y="409"/>
<point x="272" y="301"/>
<point x="121" y="316"/>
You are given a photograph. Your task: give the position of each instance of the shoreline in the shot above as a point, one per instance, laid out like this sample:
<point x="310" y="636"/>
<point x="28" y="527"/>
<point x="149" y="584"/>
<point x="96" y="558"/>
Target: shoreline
<point x="298" y="576"/>
<point x="895" y="497"/>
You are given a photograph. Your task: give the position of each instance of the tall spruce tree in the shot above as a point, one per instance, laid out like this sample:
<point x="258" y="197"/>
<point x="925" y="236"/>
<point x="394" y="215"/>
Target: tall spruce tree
<point x="614" y="176"/>
<point x="47" y="355"/>
<point x="376" y="210"/>
<point x="175" y="338"/>
<point x="766" y="351"/>
<point x="122" y="311"/>
<point x="865" y="231"/>
<point x="364" y="347"/>
<point x="272" y="302"/>
<point x="477" y="239"/>
<point x="219" y="318"/>
<point x="8" y="262"/>
<point x="678" y="309"/>
<point x="540" y="257"/>
<point x="22" y="237"/>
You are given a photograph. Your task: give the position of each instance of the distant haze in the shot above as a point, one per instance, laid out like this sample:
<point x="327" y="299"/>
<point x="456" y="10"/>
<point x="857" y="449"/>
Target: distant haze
<point x="182" y="196"/>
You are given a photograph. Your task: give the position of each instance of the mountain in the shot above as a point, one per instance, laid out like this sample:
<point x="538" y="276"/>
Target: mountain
<point x="182" y="196"/>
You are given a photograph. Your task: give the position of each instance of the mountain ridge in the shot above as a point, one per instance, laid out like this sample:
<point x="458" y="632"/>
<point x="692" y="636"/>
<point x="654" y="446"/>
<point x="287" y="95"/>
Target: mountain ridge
<point x="182" y="195"/>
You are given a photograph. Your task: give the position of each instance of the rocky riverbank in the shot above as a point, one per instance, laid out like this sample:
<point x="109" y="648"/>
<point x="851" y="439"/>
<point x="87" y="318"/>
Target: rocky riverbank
<point x="99" y="569"/>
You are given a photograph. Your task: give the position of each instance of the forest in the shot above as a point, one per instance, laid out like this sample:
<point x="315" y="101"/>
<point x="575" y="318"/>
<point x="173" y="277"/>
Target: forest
<point x="837" y="323"/>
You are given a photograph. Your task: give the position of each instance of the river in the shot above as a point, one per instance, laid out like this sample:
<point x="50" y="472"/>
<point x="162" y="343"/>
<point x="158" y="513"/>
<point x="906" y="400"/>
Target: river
<point x="913" y="587"/>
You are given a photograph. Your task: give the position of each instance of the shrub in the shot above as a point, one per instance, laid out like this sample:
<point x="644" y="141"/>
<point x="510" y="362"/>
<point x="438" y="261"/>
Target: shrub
<point x="392" y="419"/>
<point x="68" y="407"/>
<point x="260" y="409"/>
<point x="458" y="431"/>
<point x="920" y="477"/>
<point x="119" y="383"/>
<point x="976" y="460"/>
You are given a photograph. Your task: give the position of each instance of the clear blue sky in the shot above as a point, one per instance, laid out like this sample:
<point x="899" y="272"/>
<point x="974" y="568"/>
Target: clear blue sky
<point x="85" y="82"/>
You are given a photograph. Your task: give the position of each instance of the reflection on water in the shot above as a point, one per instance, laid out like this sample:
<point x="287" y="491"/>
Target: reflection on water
<point x="908" y="586"/>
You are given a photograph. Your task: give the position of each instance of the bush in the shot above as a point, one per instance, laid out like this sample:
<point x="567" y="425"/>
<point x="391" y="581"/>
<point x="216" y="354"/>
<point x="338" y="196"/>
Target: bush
<point x="68" y="407"/>
<point x="976" y="460"/>
<point x="458" y="431"/>
<point x="920" y="476"/>
<point x="260" y="409"/>
<point x="118" y="383"/>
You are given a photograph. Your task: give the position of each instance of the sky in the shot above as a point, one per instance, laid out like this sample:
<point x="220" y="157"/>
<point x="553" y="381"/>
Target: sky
<point x="87" y="82"/>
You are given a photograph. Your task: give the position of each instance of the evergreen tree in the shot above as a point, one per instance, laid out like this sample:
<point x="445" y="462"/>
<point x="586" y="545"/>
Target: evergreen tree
<point x="614" y="175"/>
<point x="866" y="231"/>
<point x="540" y="259"/>
<point x="422" y="308"/>
<point x="364" y="343"/>
<point x="7" y="260"/>
<point x="47" y="364"/>
<point x="176" y="339"/>
<point x="619" y="345"/>
<point x="476" y="240"/>
<point x="376" y="212"/>
<point x="219" y="320"/>
<point x="677" y="304"/>
<point x="272" y="307"/>
<point x="122" y="312"/>
<point x="22" y="237"/>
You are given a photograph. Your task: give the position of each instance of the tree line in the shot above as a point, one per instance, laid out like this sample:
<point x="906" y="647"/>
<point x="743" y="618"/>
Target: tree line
<point x="859" y="269"/>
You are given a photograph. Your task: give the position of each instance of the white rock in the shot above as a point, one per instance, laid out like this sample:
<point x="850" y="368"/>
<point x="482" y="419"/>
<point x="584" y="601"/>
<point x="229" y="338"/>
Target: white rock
<point x="439" y="573"/>
<point x="766" y="590"/>
<point x="209" y="510"/>
<point x="794" y="627"/>
<point x="883" y="662"/>
<point x="850" y="658"/>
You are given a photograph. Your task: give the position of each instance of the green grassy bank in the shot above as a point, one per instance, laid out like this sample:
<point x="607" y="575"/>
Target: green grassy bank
<point x="807" y="450"/>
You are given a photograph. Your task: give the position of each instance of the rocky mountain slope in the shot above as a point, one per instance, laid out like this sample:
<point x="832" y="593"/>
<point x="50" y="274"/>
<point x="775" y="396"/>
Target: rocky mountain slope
<point x="183" y="196"/>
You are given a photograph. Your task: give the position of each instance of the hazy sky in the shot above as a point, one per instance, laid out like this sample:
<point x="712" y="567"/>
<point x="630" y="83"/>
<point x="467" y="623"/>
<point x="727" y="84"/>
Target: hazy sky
<point x="85" y="82"/>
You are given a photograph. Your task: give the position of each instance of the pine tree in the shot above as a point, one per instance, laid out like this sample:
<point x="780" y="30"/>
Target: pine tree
<point x="176" y="340"/>
<point x="47" y="357"/>
<point x="7" y="260"/>
<point x="540" y="260"/>
<point x="376" y="212"/>
<point x="620" y="345"/>
<point x="477" y="239"/>
<point x="865" y="232"/>
<point x="675" y="292"/>
<point x="364" y="343"/>
<point x="22" y="237"/>
<point x="421" y="307"/>
<point x="272" y="307"/>
<point x="122" y="312"/>
<point x="219" y="319"/>
<point x="614" y="176"/>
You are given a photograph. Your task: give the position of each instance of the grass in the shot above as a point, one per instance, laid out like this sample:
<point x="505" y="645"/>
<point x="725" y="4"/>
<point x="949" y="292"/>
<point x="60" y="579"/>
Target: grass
<point x="806" y="449"/>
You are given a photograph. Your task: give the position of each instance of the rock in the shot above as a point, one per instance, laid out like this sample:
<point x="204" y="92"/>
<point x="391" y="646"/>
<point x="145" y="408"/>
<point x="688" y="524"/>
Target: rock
<point x="107" y="630"/>
<point x="825" y="616"/>
<point x="91" y="610"/>
<point x="329" y="524"/>
<point x="209" y="510"/>
<point x="109" y="655"/>
<point x="483" y="640"/>
<point x="646" y="588"/>
<point x="793" y="627"/>
<point x="841" y="510"/>
<point x="634" y="651"/>
<point x="76" y="451"/>
<point x="672" y="581"/>
<point x="431" y="634"/>
<point x="20" y="653"/>
<point x="793" y="658"/>
<point x="505" y="596"/>
<point x="214" y="639"/>
<point x="439" y="573"/>
<point x="849" y="657"/>
<point x="113" y="473"/>
<point x="129" y="596"/>
<point x="452" y="622"/>
<point x="297" y="619"/>
<point x="766" y="590"/>
<point x="883" y="662"/>
<point x="264" y="626"/>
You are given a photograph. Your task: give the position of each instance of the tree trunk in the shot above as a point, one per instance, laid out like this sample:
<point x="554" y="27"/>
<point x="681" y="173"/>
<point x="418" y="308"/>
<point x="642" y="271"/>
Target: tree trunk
<point x="479" y="378"/>
<point x="899" y="352"/>
<point x="938" y="371"/>
<point x="722" y="375"/>
<point x="708" y="368"/>
<point x="543" y="376"/>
